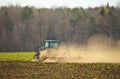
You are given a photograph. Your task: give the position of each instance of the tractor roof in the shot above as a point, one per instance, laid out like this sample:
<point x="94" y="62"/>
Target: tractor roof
<point x="51" y="40"/>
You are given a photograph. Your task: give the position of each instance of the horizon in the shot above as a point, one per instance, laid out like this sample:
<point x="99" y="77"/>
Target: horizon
<point x="58" y="3"/>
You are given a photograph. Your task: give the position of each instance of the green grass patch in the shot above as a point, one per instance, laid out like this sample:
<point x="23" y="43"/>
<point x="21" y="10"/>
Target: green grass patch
<point x="16" y="56"/>
<point x="39" y="70"/>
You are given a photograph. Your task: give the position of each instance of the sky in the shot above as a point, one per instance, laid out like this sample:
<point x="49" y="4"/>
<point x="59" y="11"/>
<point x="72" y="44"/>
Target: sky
<point x="59" y="3"/>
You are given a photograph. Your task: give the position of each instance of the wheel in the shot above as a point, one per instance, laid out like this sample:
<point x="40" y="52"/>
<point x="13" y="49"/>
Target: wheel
<point x="36" y="57"/>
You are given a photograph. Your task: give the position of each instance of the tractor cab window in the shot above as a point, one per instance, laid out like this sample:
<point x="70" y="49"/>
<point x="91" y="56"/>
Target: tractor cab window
<point x="51" y="44"/>
<point x="46" y="44"/>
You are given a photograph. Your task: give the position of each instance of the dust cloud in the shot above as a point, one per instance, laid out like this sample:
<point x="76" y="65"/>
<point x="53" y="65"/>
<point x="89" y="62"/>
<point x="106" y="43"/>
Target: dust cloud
<point x="99" y="49"/>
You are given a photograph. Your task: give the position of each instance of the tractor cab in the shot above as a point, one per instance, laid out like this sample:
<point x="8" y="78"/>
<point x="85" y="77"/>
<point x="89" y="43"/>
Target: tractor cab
<point x="48" y="44"/>
<point x="51" y="44"/>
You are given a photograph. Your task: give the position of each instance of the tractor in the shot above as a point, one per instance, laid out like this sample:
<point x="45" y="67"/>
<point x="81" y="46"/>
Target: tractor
<point x="48" y="46"/>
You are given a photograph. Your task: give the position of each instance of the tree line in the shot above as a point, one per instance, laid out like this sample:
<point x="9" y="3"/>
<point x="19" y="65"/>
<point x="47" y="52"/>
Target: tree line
<point x="25" y="28"/>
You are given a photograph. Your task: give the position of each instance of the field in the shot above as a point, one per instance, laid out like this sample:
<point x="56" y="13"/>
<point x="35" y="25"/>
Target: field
<point x="16" y="56"/>
<point x="39" y="70"/>
<point x="18" y="65"/>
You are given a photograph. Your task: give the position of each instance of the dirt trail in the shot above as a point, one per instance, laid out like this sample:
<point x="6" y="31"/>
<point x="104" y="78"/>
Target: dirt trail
<point x="82" y="55"/>
<point x="98" y="49"/>
<point x="110" y="57"/>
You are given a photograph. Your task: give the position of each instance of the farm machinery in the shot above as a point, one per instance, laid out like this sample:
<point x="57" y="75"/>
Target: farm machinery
<point x="43" y="52"/>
